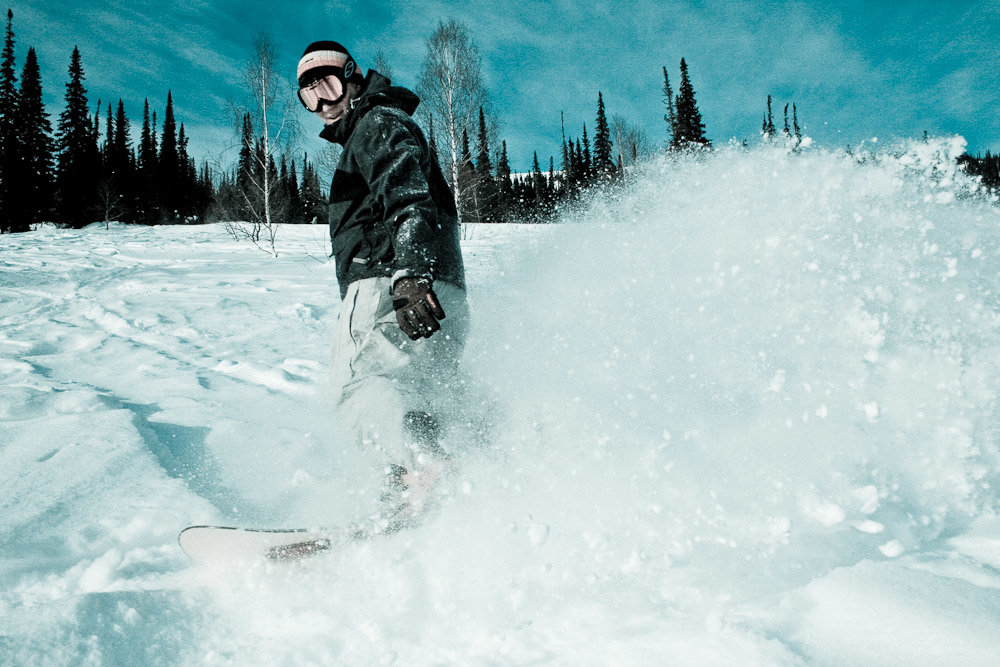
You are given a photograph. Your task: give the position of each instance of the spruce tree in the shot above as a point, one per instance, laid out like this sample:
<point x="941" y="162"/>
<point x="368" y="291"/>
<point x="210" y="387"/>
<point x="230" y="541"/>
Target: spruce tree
<point x="604" y="166"/>
<point x="246" y="171"/>
<point x="484" y="174"/>
<point x="767" y="129"/>
<point x="78" y="164"/>
<point x="109" y="133"/>
<point x="169" y="166"/>
<point x="245" y="164"/>
<point x="537" y="187"/>
<point x="505" y="188"/>
<point x="156" y="146"/>
<point x="8" y="82"/>
<point x="787" y="131"/>
<point x="580" y="172"/>
<point x="690" y="128"/>
<point x="10" y="199"/>
<point x="551" y="190"/>
<point x="120" y="161"/>
<point x="278" y="204"/>
<point x="313" y="202"/>
<point x="467" y="186"/>
<point x="186" y="178"/>
<point x="572" y="170"/>
<point x="110" y="193"/>
<point x="565" y="147"/>
<point x="147" y="207"/>
<point x="671" y="115"/>
<point x="295" y="212"/>
<point x="795" y="125"/>
<point x="586" y="164"/>
<point x="147" y="156"/>
<point x="34" y="184"/>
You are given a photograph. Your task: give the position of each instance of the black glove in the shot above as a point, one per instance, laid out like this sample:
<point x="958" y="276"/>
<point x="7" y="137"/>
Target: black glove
<point x="417" y="307"/>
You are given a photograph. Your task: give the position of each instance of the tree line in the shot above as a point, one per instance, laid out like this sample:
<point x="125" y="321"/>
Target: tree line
<point x="485" y="188"/>
<point x="986" y="167"/>
<point x="89" y="167"/>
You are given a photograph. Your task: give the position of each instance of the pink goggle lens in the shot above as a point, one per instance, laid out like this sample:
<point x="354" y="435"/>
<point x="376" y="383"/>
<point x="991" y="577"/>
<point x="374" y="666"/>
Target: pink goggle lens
<point x="329" y="88"/>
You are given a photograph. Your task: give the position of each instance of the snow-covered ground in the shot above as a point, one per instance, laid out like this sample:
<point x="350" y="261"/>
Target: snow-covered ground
<point x="745" y="413"/>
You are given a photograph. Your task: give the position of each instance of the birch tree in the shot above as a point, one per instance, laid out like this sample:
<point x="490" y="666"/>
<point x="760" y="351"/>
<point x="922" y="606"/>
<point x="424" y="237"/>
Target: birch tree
<point x="452" y="92"/>
<point x="271" y="100"/>
<point x="629" y="139"/>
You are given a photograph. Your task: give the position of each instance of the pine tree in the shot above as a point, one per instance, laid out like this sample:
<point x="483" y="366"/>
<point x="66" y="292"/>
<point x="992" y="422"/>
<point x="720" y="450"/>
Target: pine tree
<point x="313" y="202"/>
<point x="147" y="154"/>
<point x="10" y="199"/>
<point x="469" y="200"/>
<point x="767" y="129"/>
<point x="690" y="128"/>
<point x="186" y="178"/>
<point x="110" y="192"/>
<point x="35" y="168"/>
<point x="537" y="186"/>
<point x="550" y="191"/>
<point x="245" y="165"/>
<point x="168" y="166"/>
<point x="671" y="115"/>
<point x="156" y="145"/>
<point x="787" y="131"/>
<point x="8" y="81"/>
<point x="246" y="171"/>
<point x="109" y="135"/>
<point x="279" y="210"/>
<point x="565" y="147"/>
<point x="120" y="163"/>
<point x="505" y="188"/>
<point x="604" y="166"/>
<point x="147" y="206"/>
<point x="78" y="164"/>
<point x="484" y="174"/>
<point x="295" y="212"/>
<point x="795" y="125"/>
<point x="579" y="168"/>
<point x="586" y="164"/>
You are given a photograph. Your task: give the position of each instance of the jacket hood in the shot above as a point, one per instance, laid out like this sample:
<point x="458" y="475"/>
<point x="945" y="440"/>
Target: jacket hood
<point x="377" y="91"/>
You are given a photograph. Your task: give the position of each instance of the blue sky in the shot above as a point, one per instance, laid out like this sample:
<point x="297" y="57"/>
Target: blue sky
<point x="856" y="69"/>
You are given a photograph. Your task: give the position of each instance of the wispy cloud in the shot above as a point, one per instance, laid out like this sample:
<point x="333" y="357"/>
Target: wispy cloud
<point x="855" y="69"/>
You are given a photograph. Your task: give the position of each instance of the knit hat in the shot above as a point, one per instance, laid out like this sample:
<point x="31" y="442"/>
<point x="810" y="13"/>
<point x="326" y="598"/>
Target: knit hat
<point x="324" y="58"/>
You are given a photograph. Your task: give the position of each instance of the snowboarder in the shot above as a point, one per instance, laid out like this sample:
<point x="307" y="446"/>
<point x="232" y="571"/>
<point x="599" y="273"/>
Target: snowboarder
<point x="394" y="228"/>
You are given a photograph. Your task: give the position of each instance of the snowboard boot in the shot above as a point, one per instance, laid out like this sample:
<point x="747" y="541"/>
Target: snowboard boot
<point x="407" y="495"/>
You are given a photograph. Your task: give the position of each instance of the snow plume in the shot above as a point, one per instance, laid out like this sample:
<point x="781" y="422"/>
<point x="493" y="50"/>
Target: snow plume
<point x="747" y="354"/>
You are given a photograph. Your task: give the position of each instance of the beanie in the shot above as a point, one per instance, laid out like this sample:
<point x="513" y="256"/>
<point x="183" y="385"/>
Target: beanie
<point x="325" y="58"/>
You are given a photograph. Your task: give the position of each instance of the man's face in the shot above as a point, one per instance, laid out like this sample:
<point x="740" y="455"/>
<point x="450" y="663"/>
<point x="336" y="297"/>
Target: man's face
<point x="327" y="97"/>
<point x="330" y="112"/>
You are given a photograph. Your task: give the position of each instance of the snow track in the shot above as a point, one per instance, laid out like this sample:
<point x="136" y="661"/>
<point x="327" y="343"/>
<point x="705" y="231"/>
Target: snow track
<point x="744" y="412"/>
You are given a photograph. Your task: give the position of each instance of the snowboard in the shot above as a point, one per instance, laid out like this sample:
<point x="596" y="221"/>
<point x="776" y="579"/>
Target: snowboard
<point x="215" y="545"/>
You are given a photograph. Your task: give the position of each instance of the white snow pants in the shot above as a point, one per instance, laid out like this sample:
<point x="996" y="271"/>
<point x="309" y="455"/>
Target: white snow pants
<point x="379" y="374"/>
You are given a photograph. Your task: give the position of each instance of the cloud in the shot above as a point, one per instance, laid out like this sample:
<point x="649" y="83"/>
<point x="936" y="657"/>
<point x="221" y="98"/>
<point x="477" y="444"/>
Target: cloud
<point x="854" y="70"/>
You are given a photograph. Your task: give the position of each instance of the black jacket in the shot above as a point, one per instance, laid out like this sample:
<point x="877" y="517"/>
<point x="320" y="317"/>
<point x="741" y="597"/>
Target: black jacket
<point x="391" y="210"/>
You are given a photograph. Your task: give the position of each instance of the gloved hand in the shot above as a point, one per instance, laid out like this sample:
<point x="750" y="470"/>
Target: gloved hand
<point x="417" y="307"/>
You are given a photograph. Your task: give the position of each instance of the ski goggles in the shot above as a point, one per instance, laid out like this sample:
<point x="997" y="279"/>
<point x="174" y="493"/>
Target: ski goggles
<point x="329" y="88"/>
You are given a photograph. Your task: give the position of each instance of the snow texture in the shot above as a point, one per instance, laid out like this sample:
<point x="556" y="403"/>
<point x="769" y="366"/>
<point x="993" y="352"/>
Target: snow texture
<point x="742" y="412"/>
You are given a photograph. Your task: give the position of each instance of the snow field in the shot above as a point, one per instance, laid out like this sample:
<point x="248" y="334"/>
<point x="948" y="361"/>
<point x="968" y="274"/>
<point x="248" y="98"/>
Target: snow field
<point x="743" y="412"/>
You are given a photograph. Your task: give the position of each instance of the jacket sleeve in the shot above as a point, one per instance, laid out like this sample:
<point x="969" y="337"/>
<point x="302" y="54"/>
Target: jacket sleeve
<point x="393" y="158"/>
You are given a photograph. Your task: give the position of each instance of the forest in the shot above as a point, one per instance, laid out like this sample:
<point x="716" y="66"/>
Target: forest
<point x="91" y="165"/>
